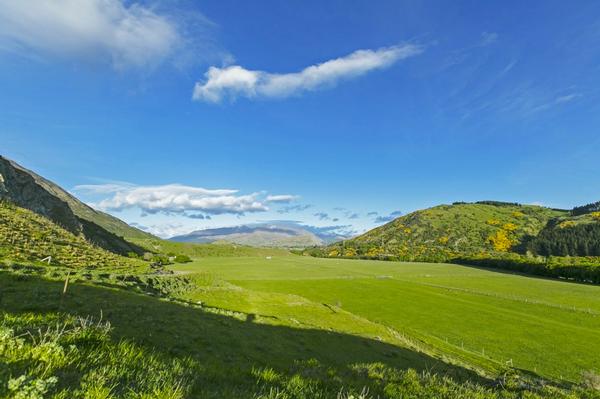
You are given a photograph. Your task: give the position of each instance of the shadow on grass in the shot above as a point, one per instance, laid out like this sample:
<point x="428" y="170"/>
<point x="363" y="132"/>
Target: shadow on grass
<point x="226" y="347"/>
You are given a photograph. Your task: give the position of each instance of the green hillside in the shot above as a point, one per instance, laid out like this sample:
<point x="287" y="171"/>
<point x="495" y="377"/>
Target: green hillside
<point x="28" y="190"/>
<point x="81" y="210"/>
<point x="28" y="237"/>
<point x="569" y="236"/>
<point x="448" y="231"/>
<point x="197" y="250"/>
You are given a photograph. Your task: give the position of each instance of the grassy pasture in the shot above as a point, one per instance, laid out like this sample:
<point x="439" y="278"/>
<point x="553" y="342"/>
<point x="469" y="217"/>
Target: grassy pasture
<point x="160" y="349"/>
<point x="546" y="327"/>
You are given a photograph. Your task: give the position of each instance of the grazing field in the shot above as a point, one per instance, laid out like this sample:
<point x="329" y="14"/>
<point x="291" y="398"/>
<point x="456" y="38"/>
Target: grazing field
<point x="484" y="318"/>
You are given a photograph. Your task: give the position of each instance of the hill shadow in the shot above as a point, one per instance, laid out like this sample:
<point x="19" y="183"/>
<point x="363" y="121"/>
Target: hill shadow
<point x="218" y="342"/>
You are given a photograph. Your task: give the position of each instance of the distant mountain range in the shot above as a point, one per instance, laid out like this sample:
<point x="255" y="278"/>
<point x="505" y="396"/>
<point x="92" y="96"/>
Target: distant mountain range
<point x="287" y="234"/>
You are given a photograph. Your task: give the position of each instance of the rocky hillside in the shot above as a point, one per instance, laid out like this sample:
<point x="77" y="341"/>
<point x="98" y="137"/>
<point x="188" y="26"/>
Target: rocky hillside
<point x="26" y="189"/>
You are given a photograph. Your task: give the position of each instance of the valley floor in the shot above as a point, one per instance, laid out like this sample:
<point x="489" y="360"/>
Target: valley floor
<point x="286" y="326"/>
<point x="547" y="327"/>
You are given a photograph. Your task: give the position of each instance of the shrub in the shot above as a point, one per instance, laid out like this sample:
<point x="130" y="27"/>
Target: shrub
<point x="182" y="259"/>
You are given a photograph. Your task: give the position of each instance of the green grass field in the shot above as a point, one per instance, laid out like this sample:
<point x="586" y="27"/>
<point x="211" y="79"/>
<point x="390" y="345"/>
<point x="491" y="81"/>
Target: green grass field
<point x="483" y="318"/>
<point x="295" y="327"/>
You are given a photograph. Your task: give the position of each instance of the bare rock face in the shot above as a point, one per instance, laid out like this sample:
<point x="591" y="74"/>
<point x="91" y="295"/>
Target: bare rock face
<point x="19" y="186"/>
<point x="2" y="188"/>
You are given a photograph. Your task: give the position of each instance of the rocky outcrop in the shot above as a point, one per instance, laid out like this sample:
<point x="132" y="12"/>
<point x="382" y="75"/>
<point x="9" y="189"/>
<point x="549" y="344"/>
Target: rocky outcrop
<point x="20" y="188"/>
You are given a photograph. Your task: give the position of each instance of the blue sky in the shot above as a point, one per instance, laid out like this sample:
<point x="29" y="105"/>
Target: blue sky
<point x="326" y="112"/>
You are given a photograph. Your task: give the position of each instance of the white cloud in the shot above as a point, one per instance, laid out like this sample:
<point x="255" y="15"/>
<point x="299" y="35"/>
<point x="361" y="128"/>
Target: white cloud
<point x="165" y="230"/>
<point x="126" y="35"/>
<point x="234" y="81"/>
<point x="488" y="38"/>
<point x="283" y="199"/>
<point x="566" y="98"/>
<point x="179" y="199"/>
<point x="294" y="208"/>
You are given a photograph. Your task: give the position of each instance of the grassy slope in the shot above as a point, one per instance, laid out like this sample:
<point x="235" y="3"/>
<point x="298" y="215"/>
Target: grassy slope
<point x="26" y="236"/>
<point x="547" y="327"/>
<point x="194" y="250"/>
<point x="257" y="338"/>
<point x="206" y="352"/>
<point x="445" y="231"/>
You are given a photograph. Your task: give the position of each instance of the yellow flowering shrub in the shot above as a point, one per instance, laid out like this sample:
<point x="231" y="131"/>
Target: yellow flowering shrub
<point x="501" y="241"/>
<point x="509" y="227"/>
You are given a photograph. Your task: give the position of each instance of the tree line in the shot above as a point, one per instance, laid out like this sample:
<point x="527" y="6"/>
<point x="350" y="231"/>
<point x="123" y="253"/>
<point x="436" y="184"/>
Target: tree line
<point x="579" y="240"/>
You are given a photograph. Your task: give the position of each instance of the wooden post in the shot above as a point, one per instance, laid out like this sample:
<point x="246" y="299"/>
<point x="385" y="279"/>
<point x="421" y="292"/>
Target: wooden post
<point x="66" y="283"/>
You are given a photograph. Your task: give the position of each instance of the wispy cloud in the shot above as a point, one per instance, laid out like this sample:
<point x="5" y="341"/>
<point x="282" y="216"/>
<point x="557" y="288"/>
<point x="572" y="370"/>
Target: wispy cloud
<point x="193" y="202"/>
<point x="294" y="208"/>
<point x="549" y="101"/>
<point x="282" y="199"/>
<point x="322" y="215"/>
<point x="126" y="34"/>
<point x="234" y="81"/>
<point x="387" y="218"/>
<point x="488" y="38"/>
<point x="566" y="98"/>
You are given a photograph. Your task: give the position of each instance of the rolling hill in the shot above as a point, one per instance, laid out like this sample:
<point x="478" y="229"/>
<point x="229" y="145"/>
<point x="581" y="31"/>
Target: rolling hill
<point x="276" y="234"/>
<point x="449" y="231"/>
<point x="26" y="189"/>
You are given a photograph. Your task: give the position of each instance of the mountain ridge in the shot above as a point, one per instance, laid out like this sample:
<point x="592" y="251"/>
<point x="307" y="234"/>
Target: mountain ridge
<point x="268" y="234"/>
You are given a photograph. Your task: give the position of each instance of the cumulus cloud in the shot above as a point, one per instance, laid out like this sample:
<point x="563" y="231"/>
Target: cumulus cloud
<point x="127" y="34"/>
<point x="194" y="202"/>
<point x="388" y="218"/>
<point x="164" y="230"/>
<point x="234" y="81"/>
